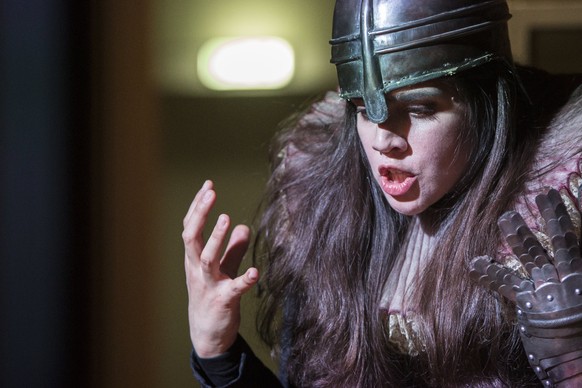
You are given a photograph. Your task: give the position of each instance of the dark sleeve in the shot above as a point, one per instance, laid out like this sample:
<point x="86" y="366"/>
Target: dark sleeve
<point x="238" y="367"/>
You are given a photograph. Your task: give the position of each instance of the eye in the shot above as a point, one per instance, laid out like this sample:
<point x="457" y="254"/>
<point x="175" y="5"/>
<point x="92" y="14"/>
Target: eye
<point x="423" y="110"/>
<point x="361" y="110"/>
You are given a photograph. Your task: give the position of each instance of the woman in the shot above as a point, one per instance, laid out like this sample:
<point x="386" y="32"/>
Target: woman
<point x="377" y="205"/>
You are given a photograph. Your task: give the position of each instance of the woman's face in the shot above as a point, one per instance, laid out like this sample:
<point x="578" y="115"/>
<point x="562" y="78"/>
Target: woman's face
<point x="416" y="156"/>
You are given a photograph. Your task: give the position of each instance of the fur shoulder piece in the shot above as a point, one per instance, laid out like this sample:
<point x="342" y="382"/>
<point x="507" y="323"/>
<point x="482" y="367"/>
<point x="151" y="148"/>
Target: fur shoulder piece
<point x="557" y="164"/>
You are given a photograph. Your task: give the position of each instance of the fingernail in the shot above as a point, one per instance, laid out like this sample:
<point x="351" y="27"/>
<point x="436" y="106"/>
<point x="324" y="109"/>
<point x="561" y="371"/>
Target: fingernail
<point x="206" y="184"/>
<point x="222" y="221"/>
<point x="207" y="196"/>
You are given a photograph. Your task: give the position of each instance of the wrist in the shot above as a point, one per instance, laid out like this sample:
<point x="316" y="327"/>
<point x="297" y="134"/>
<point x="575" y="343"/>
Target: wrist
<point x="212" y="348"/>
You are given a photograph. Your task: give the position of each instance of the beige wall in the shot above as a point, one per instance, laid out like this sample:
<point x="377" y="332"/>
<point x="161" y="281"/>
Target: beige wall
<point x="540" y="14"/>
<point x="224" y="140"/>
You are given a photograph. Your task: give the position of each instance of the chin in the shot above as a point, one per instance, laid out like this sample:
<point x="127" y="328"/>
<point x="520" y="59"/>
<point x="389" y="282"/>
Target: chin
<point x="412" y="208"/>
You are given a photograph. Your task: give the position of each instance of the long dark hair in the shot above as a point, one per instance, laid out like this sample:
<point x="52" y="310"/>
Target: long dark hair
<point x="328" y="241"/>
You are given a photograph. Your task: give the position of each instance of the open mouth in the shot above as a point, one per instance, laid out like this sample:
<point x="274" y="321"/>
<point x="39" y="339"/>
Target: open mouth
<point x="396" y="182"/>
<point x="397" y="176"/>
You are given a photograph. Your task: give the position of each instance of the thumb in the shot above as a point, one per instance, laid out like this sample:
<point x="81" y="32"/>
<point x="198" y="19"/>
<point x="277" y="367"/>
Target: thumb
<point x="245" y="282"/>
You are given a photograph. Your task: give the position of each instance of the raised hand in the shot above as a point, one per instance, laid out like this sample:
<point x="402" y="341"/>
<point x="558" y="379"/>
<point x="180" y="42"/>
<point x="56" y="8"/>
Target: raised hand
<point x="549" y="302"/>
<point x="214" y="290"/>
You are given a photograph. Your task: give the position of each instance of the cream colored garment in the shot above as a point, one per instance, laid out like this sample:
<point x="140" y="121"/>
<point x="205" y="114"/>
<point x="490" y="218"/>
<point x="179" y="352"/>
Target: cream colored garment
<point x="415" y="251"/>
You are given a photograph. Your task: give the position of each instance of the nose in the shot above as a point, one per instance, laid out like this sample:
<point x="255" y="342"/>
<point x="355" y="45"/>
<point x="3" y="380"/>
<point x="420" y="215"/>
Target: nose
<point x="388" y="141"/>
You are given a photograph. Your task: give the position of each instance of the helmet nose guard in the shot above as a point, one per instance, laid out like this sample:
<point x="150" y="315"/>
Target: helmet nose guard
<point x="381" y="45"/>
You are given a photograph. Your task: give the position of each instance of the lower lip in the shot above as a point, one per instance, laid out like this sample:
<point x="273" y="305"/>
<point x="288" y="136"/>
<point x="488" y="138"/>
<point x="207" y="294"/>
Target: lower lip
<point x="396" y="188"/>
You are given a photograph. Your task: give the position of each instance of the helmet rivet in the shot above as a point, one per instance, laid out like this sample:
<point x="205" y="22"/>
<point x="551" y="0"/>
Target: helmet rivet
<point x="528" y="305"/>
<point x="550" y="298"/>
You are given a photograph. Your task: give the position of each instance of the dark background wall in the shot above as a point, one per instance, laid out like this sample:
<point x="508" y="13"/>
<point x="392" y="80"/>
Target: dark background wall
<point x="77" y="194"/>
<point x="43" y="161"/>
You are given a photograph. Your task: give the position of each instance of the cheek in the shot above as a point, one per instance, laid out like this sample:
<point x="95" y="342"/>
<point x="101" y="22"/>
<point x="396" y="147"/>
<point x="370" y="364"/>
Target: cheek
<point x="451" y="159"/>
<point x="445" y="153"/>
<point x="444" y="159"/>
<point x="434" y="151"/>
<point x="444" y="143"/>
<point x="366" y="139"/>
<point x="363" y="129"/>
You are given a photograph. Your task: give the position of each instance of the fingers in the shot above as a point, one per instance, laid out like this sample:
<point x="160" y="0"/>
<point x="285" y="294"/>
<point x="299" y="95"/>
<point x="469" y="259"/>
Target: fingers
<point x="205" y="187"/>
<point x="561" y="231"/>
<point x="209" y="257"/>
<point x="245" y="282"/>
<point x="558" y="221"/>
<point x="235" y="250"/>
<point x="494" y="276"/>
<point x="206" y="256"/>
<point x="523" y="242"/>
<point x="195" y="221"/>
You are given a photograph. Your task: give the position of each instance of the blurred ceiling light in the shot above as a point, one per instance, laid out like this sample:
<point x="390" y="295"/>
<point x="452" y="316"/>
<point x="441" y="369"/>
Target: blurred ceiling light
<point x="246" y="63"/>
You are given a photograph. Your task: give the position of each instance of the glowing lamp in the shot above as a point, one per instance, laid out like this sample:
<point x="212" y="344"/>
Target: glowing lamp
<point x="246" y="63"/>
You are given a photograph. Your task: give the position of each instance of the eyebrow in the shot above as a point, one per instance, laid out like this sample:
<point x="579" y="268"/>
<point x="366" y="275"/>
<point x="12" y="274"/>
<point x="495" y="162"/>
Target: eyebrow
<point x="416" y="94"/>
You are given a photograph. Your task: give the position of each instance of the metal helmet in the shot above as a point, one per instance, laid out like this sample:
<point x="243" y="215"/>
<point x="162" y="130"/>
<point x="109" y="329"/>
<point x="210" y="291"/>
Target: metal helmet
<point x="382" y="45"/>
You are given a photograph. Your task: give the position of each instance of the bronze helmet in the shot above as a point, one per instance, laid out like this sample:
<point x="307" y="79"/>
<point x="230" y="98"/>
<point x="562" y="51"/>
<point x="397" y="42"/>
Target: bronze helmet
<point x="382" y="45"/>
